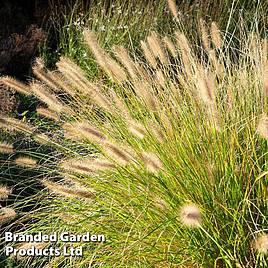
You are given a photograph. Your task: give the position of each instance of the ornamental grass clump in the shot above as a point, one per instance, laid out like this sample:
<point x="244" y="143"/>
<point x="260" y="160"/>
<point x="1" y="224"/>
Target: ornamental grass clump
<point x="162" y="154"/>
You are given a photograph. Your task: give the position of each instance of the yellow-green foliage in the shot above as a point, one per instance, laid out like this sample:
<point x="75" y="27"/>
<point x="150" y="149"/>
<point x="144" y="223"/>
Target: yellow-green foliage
<point x="166" y="154"/>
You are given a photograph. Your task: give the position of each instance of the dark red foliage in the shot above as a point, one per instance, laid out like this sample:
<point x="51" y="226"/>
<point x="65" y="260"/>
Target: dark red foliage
<point x="18" y="50"/>
<point x="8" y="101"/>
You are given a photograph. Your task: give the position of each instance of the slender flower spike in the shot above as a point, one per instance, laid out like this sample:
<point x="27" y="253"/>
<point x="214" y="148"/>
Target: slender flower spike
<point x="25" y="161"/>
<point x="261" y="244"/>
<point x="16" y="85"/>
<point x="216" y="35"/>
<point x="152" y="162"/>
<point x="71" y="192"/>
<point x="190" y="216"/>
<point x="173" y="8"/>
<point x="47" y="113"/>
<point x="6" y="148"/>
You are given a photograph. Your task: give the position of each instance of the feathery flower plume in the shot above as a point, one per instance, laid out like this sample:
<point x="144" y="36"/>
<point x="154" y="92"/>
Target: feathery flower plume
<point x="190" y="215"/>
<point x="261" y="244"/>
<point x="4" y="192"/>
<point x="6" y="148"/>
<point x="73" y="74"/>
<point x="143" y="89"/>
<point x="136" y="129"/>
<point x="160" y="203"/>
<point x="77" y="166"/>
<point x="68" y="192"/>
<point x="26" y="161"/>
<point x="98" y="96"/>
<point x="262" y="128"/>
<point x="71" y="132"/>
<point x="115" y="152"/>
<point x="156" y="47"/>
<point x="47" y="113"/>
<point x="16" y="85"/>
<point x="204" y="35"/>
<point x="152" y="162"/>
<point x="120" y="105"/>
<point x="205" y="86"/>
<point x="170" y="46"/>
<point x="219" y="68"/>
<point x="97" y="164"/>
<point x="110" y="66"/>
<point x="6" y="214"/>
<point x="148" y="55"/>
<point x="160" y="78"/>
<point x="185" y="52"/>
<point x="173" y="8"/>
<point x="13" y="124"/>
<point x="65" y="83"/>
<point x="265" y="79"/>
<point x="42" y="138"/>
<point x="46" y="77"/>
<point x="122" y="55"/>
<point x="157" y="132"/>
<point x="87" y="131"/>
<point x="47" y="97"/>
<point x="216" y="35"/>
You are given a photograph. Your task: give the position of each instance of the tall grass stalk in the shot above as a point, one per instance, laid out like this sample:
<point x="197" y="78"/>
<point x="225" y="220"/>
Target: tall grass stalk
<point x="168" y="161"/>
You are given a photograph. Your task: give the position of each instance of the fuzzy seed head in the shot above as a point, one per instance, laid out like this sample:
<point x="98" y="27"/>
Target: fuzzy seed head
<point x="117" y="153"/>
<point x="47" y="113"/>
<point x="42" y="138"/>
<point x="261" y="244"/>
<point x="156" y="47"/>
<point x="76" y="166"/>
<point x="122" y="55"/>
<point x="136" y="129"/>
<point x="26" y="161"/>
<point x="205" y="86"/>
<point x="216" y="35"/>
<point x="89" y="132"/>
<point x="38" y="245"/>
<point x="148" y="55"/>
<point x="72" y="192"/>
<point x="262" y="128"/>
<point x="190" y="216"/>
<point x="173" y="8"/>
<point x="47" y="78"/>
<point x="6" y="148"/>
<point x="47" y="97"/>
<point x="204" y="35"/>
<point x="110" y="66"/>
<point x="170" y="46"/>
<point x="86" y="166"/>
<point x="6" y="214"/>
<point x="13" y="124"/>
<point x="98" y="164"/>
<point x="16" y="85"/>
<point x="4" y="192"/>
<point x="152" y="162"/>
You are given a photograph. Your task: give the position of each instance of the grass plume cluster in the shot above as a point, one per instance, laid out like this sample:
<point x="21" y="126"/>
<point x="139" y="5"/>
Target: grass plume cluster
<point x="165" y="154"/>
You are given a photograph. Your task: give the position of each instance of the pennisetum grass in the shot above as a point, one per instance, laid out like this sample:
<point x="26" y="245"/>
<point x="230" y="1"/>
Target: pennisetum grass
<point x="171" y="156"/>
